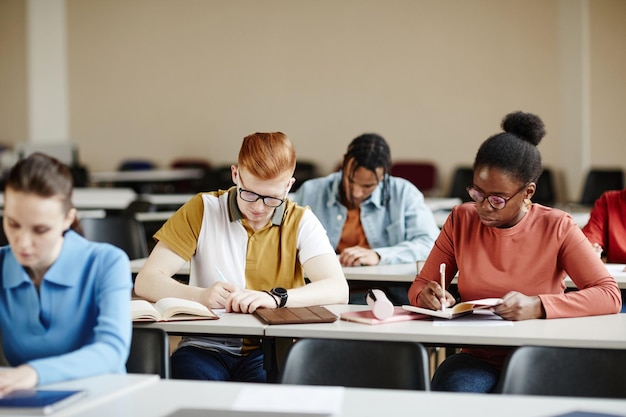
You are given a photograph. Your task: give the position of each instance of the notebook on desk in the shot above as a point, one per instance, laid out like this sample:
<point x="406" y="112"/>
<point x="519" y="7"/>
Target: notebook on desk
<point x="38" y="402"/>
<point x="295" y="315"/>
<point x="203" y="412"/>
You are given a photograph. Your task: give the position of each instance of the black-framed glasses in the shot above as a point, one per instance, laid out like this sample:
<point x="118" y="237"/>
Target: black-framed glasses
<point x="495" y="201"/>
<point x="251" y="197"/>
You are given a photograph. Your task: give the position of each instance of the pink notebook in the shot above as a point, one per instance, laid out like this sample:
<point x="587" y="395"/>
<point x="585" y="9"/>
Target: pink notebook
<point x="366" y="316"/>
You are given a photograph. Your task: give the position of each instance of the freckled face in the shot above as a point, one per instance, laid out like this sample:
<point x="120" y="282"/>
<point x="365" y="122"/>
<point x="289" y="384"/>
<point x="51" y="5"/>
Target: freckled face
<point x="493" y="181"/>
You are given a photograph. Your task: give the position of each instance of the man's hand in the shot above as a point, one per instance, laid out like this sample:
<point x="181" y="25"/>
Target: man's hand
<point x="357" y="255"/>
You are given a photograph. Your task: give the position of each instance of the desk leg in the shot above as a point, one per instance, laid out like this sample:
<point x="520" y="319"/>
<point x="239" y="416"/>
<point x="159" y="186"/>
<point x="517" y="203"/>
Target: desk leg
<point x="268" y="344"/>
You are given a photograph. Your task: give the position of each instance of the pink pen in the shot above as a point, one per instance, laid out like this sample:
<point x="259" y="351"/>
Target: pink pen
<point x="442" y="273"/>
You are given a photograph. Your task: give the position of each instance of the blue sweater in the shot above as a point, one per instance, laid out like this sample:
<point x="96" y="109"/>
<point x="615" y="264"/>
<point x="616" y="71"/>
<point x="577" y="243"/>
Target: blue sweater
<point x="79" y="324"/>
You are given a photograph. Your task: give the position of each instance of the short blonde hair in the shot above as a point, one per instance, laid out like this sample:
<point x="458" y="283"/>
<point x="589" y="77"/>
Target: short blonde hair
<point x="267" y="155"/>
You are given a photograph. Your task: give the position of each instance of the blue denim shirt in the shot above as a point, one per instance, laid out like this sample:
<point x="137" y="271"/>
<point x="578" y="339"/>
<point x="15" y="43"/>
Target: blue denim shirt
<point x="78" y="323"/>
<point x="403" y="230"/>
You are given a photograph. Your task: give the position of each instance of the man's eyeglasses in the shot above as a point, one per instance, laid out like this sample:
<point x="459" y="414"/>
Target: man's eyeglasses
<point x="251" y="197"/>
<point x="495" y="201"/>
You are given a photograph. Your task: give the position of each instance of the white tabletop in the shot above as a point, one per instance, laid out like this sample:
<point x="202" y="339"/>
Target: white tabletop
<point x="165" y="397"/>
<point x="102" y="389"/>
<point x="147" y="175"/>
<point x="607" y="331"/>
<point x="398" y="273"/>
<point x="99" y="198"/>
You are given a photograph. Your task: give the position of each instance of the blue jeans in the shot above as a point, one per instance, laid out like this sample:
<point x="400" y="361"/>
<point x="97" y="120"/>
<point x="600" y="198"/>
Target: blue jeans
<point x="464" y="373"/>
<point x="190" y="362"/>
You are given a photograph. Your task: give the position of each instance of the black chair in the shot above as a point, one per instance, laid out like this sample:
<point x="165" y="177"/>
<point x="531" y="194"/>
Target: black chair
<point x="149" y="352"/>
<point x="357" y="363"/>
<point x="305" y="170"/>
<point x="545" y="193"/>
<point x="462" y="177"/>
<point x="125" y="232"/>
<point x="599" y="181"/>
<point x="571" y="372"/>
<point x="3" y="238"/>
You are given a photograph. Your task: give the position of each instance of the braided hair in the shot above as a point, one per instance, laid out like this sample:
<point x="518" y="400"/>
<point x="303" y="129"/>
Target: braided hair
<point x="515" y="150"/>
<point x="370" y="151"/>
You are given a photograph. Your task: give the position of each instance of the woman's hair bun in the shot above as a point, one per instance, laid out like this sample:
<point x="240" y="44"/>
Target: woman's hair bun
<point x="526" y="126"/>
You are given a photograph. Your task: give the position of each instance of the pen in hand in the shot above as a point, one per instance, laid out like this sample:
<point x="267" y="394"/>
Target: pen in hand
<point x="222" y="277"/>
<point x="442" y="273"/>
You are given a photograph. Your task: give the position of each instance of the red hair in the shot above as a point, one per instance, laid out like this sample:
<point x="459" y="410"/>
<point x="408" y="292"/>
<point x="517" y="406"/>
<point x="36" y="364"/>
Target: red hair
<point x="267" y="155"/>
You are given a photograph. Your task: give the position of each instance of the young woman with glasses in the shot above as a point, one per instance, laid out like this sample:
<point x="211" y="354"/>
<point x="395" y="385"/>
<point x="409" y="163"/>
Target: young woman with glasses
<point x="504" y="246"/>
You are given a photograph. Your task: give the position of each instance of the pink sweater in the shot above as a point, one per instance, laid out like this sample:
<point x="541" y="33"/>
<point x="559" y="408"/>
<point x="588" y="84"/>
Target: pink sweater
<point x="531" y="257"/>
<point x="607" y="225"/>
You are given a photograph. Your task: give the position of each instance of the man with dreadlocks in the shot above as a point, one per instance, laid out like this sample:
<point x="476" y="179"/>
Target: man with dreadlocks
<point x="371" y="217"/>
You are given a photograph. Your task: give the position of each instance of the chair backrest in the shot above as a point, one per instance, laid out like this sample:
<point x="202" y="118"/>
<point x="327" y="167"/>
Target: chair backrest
<point x="3" y="237"/>
<point x="546" y="192"/>
<point x="357" y="363"/>
<point x="599" y="181"/>
<point x="125" y="232"/>
<point x="572" y="372"/>
<point x="462" y="177"/>
<point x="149" y="352"/>
<point x="422" y="174"/>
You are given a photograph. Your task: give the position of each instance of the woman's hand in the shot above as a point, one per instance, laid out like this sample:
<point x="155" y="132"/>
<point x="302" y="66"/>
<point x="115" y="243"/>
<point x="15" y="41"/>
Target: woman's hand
<point x="432" y="295"/>
<point x="20" y="377"/>
<point x="517" y="306"/>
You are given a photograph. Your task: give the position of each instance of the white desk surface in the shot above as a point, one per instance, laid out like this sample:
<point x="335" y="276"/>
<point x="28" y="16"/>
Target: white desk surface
<point x="399" y="273"/>
<point x="166" y="396"/>
<point x="607" y="331"/>
<point x="147" y="175"/>
<point x="102" y="389"/>
<point x="99" y="198"/>
<point x="234" y="324"/>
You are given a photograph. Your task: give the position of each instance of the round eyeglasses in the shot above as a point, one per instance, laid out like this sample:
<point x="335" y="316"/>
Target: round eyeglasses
<point x="495" y="201"/>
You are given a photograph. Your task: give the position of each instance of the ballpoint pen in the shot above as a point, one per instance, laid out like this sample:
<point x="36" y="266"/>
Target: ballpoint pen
<point x="442" y="273"/>
<point x="222" y="277"/>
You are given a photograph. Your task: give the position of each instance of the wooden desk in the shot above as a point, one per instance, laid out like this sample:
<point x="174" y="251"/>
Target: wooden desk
<point x="165" y="397"/>
<point x="590" y="332"/>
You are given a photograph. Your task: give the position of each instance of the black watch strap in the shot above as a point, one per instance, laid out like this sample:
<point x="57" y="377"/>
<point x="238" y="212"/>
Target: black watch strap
<point x="273" y="297"/>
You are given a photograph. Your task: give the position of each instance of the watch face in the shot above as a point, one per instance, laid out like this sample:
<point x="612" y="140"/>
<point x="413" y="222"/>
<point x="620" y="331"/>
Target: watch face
<point x="279" y="291"/>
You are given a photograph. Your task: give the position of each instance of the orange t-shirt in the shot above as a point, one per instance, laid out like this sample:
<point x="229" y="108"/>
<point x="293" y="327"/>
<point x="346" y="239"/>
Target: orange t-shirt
<point x="531" y="257"/>
<point x="352" y="233"/>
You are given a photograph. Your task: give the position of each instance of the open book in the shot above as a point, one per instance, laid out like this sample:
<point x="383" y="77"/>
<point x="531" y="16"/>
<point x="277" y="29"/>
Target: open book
<point x="170" y="309"/>
<point x="456" y="310"/>
<point x="367" y="317"/>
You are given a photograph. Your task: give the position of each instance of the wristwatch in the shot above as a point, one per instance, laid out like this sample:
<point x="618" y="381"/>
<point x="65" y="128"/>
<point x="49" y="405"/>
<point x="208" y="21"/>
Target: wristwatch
<point x="281" y="293"/>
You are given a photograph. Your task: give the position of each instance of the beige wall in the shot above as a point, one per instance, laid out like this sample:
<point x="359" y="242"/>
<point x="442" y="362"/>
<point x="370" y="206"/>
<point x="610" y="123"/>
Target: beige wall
<point x="608" y="82"/>
<point x="13" y="93"/>
<point x="164" y="79"/>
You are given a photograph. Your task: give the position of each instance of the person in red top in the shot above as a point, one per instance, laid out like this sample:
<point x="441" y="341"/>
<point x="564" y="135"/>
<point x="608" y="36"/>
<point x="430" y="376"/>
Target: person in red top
<point x="504" y="246"/>
<point x="607" y="225"/>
